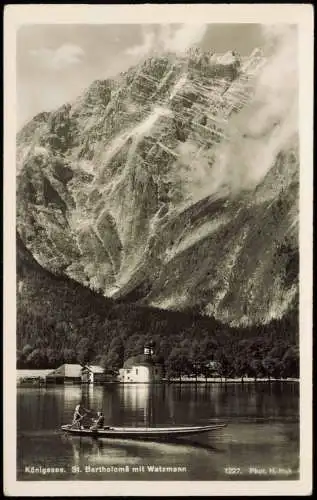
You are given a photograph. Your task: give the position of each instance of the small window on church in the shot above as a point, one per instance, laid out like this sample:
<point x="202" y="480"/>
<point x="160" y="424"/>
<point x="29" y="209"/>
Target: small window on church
<point x="136" y="371"/>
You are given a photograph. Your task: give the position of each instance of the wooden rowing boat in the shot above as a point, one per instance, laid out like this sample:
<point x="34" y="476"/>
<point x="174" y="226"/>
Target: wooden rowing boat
<point x="142" y="432"/>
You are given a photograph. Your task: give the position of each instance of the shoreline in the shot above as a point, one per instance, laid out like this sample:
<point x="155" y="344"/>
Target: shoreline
<point x="223" y="380"/>
<point x="38" y="380"/>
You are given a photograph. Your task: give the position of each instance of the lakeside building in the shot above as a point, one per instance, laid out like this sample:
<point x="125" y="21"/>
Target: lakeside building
<point x="67" y="373"/>
<point x="141" y="368"/>
<point x="31" y="378"/>
<point x="214" y="367"/>
<point x="76" y="374"/>
<point x="93" y="374"/>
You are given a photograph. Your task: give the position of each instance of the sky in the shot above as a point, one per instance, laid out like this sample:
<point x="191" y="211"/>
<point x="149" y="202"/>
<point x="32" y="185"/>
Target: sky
<point x="55" y="63"/>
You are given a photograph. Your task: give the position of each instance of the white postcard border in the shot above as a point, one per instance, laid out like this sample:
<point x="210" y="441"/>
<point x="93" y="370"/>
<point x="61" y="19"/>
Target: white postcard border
<point x="18" y="15"/>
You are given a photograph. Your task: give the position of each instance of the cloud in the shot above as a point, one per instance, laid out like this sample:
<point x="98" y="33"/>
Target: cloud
<point x="274" y="35"/>
<point x="60" y="58"/>
<point x="182" y="38"/>
<point x="255" y="135"/>
<point x="145" y="47"/>
<point x="270" y="123"/>
<point x="167" y="37"/>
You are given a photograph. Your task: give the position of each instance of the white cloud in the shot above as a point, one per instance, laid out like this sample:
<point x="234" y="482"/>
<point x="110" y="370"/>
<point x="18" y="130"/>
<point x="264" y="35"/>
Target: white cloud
<point x="168" y="38"/>
<point x="276" y="34"/>
<point x="182" y="38"/>
<point x="270" y="123"/>
<point x="57" y="59"/>
<point x="145" y="47"/>
<point x="255" y="135"/>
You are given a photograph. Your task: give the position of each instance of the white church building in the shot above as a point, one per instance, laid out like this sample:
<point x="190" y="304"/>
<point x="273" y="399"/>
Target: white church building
<point x="141" y="368"/>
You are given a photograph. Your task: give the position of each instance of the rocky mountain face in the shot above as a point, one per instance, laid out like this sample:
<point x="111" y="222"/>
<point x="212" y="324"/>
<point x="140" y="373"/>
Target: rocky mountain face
<point x="173" y="185"/>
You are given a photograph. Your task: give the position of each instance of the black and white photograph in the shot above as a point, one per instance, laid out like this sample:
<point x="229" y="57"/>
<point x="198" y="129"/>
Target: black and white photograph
<point x="160" y="322"/>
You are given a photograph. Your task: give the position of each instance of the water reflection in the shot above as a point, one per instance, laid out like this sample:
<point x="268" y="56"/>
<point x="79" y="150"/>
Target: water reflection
<point x="70" y="393"/>
<point x="262" y="426"/>
<point x="105" y="451"/>
<point x="92" y="396"/>
<point x="137" y="398"/>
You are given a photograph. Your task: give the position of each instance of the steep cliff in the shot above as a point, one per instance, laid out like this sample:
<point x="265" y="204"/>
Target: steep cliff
<point x="174" y="185"/>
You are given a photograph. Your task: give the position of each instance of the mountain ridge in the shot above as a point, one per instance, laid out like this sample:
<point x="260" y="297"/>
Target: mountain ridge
<point x="113" y="191"/>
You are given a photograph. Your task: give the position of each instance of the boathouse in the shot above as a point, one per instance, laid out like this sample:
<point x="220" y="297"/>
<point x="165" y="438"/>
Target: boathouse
<point x="93" y="374"/>
<point x="65" y="374"/>
<point x="141" y="368"/>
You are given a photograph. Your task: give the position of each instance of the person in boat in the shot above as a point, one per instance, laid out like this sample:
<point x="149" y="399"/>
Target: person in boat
<point x="79" y="414"/>
<point x="98" y="422"/>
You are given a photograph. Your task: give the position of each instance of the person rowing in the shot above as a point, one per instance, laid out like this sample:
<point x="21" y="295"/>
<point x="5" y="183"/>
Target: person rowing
<point x="79" y="413"/>
<point x="98" y="422"/>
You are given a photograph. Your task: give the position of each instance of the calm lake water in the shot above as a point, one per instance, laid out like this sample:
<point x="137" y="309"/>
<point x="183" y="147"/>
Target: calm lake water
<point x="261" y="440"/>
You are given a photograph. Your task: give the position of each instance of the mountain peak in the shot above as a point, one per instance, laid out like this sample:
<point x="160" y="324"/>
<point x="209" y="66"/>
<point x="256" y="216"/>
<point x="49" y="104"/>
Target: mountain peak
<point x="166" y="185"/>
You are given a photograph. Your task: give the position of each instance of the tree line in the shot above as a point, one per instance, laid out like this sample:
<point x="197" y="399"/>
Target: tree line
<point x="60" y="321"/>
<point x="183" y="354"/>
